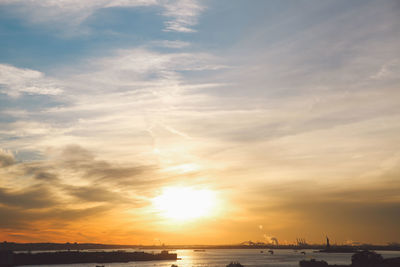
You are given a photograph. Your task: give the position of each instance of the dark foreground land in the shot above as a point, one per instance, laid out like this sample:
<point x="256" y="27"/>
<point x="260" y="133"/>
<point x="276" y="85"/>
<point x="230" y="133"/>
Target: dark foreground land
<point x="9" y="258"/>
<point x="359" y="259"/>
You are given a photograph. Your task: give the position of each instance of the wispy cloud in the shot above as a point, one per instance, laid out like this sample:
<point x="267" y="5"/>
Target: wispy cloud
<point x="74" y="188"/>
<point x="182" y="15"/>
<point x="171" y="44"/>
<point x="15" y="81"/>
<point x="308" y="103"/>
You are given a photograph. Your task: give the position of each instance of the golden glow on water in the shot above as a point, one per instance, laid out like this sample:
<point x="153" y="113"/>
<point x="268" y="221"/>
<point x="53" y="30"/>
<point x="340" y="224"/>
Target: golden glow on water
<point x="185" y="203"/>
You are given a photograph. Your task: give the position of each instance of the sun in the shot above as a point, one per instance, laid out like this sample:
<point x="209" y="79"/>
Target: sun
<point x="185" y="203"/>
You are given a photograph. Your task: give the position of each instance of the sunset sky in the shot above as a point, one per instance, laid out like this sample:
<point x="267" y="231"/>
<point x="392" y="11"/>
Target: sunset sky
<point x="199" y="122"/>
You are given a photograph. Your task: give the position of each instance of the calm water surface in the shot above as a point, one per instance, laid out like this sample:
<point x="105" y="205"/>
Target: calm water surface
<point x="247" y="257"/>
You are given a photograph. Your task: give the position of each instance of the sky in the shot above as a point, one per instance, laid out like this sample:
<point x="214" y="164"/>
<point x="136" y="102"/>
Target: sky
<point x="199" y="122"/>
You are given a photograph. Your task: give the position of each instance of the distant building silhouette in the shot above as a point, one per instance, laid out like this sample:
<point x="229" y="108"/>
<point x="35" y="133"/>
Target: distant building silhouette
<point x="328" y="246"/>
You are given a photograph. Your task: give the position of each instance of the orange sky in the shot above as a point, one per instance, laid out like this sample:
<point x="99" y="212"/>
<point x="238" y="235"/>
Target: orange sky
<point x="265" y="119"/>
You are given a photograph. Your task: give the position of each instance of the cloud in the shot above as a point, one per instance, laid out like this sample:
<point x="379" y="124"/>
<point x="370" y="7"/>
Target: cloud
<point x="22" y="220"/>
<point x="124" y="95"/>
<point x="68" y="186"/>
<point x="6" y="158"/>
<point x="171" y="44"/>
<point x="75" y="155"/>
<point x="184" y="14"/>
<point x="16" y="81"/>
<point x="31" y="198"/>
<point x="313" y="108"/>
<point x="71" y="12"/>
<point x="181" y="14"/>
<point x="40" y="172"/>
<point x="94" y="194"/>
<point x="100" y="172"/>
<point x="387" y="71"/>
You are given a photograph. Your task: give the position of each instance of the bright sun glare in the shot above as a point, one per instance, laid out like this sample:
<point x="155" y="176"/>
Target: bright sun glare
<point x="185" y="203"/>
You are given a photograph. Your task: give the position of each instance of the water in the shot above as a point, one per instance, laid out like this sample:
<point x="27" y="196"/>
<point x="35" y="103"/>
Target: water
<point x="247" y="257"/>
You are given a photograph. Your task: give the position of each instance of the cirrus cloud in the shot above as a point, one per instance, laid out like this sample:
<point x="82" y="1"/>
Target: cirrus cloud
<point x="181" y="15"/>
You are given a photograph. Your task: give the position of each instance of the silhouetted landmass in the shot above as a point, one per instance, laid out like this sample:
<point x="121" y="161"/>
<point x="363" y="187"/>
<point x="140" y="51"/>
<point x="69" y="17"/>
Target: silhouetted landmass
<point x="9" y="258"/>
<point x="359" y="259"/>
<point x="315" y="263"/>
<point x="234" y="264"/>
<point x="85" y="246"/>
<point x="58" y="246"/>
<point x="338" y="249"/>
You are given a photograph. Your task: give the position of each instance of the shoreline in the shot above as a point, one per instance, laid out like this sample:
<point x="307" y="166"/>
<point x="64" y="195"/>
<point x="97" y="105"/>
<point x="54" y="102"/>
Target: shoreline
<point x="9" y="258"/>
<point x="92" y="246"/>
